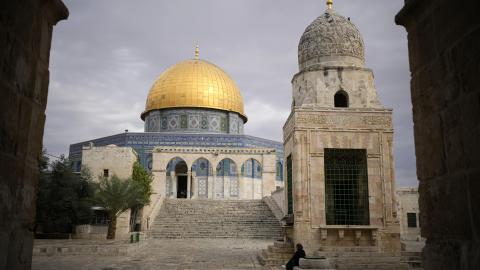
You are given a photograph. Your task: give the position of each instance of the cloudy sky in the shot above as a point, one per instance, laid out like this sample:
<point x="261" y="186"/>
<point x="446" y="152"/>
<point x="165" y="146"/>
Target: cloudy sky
<point x="108" y="53"/>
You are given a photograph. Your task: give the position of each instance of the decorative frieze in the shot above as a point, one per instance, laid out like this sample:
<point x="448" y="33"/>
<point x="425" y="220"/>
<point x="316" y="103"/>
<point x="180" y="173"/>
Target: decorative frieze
<point x="374" y="120"/>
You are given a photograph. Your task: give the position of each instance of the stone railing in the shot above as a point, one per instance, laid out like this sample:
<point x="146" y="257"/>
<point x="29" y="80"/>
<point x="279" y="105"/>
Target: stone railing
<point x="154" y="209"/>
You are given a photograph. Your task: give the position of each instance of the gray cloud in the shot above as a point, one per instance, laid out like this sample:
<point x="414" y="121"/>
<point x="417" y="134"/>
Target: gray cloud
<point x="107" y="55"/>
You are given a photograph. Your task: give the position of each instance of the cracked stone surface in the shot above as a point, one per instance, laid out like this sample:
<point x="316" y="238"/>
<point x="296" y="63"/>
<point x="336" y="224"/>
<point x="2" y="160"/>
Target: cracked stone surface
<point x="167" y="254"/>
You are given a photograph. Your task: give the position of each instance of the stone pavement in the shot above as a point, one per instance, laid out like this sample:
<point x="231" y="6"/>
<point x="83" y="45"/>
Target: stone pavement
<point x="171" y="254"/>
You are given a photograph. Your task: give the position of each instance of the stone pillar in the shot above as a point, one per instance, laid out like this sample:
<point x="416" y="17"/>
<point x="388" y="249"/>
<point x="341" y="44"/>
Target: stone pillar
<point x="443" y="42"/>
<point x="189" y="181"/>
<point x="226" y="187"/>
<point x="211" y="185"/>
<point x="194" y="185"/>
<point x="25" y="38"/>
<point x="269" y="174"/>
<point x="174" y="185"/>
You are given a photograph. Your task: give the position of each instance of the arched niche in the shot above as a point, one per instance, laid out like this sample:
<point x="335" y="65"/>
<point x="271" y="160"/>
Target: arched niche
<point x="341" y="99"/>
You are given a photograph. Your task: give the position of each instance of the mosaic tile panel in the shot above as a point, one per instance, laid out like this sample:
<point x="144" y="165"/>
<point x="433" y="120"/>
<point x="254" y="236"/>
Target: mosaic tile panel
<point x="234" y="187"/>
<point x="194" y="121"/>
<point x="202" y="187"/>
<point x="219" y="187"/>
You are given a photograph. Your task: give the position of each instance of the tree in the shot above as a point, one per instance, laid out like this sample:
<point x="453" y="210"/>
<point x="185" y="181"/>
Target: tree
<point x="63" y="196"/>
<point x="117" y="196"/>
<point x="144" y="179"/>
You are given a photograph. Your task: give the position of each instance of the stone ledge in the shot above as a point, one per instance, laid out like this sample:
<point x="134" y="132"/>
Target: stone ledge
<point x="84" y="247"/>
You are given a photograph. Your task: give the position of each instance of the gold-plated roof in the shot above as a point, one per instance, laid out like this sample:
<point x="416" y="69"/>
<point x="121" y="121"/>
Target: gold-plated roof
<point x="195" y="84"/>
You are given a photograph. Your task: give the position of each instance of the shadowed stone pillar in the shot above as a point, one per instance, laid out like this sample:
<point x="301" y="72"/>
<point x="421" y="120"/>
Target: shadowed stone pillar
<point x="189" y="183"/>
<point x="444" y="42"/>
<point x="25" y="39"/>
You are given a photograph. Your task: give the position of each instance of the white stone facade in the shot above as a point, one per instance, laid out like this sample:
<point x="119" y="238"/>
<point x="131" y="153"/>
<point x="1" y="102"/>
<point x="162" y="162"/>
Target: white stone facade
<point x="336" y="108"/>
<point x="116" y="161"/>
<point x="214" y="185"/>
<point x="407" y="204"/>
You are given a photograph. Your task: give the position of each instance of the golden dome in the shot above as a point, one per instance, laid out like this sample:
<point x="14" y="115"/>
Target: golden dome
<point x="195" y="84"/>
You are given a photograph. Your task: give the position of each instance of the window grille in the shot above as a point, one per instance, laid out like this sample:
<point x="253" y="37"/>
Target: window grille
<point x="346" y="187"/>
<point x="289" y="185"/>
<point x="412" y="220"/>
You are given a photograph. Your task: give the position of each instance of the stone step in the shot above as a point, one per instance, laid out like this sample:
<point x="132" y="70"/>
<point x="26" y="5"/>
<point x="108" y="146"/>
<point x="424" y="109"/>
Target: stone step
<point x="332" y="254"/>
<point x="348" y="249"/>
<point x="376" y="266"/>
<point x="215" y="219"/>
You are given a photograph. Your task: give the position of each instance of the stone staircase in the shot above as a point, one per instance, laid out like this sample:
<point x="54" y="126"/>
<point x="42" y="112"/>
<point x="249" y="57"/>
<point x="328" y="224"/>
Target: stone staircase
<point x="215" y="219"/>
<point x="413" y="259"/>
<point x="361" y="257"/>
<point x="277" y="254"/>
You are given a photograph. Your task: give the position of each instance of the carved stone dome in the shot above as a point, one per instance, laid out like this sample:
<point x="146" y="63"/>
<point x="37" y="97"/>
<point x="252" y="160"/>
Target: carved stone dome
<point x="331" y="40"/>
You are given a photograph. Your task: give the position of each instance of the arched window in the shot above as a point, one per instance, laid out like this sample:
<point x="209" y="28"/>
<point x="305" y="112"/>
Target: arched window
<point x="341" y="99"/>
<point x="201" y="167"/>
<point x="252" y="169"/>
<point x="226" y="167"/>
<point x="203" y="171"/>
<point x="176" y="165"/>
<point x="279" y="171"/>
<point x="227" y="171"/>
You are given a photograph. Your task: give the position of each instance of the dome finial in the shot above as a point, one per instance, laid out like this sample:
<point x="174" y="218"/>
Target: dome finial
<point x="197" y="51"/>
<point x="330" y="4"/>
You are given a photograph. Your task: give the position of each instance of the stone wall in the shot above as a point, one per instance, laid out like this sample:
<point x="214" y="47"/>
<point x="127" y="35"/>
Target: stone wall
<point x="25" y="38"/>
<point x="443" y="41"/>
<point x="407" y="202"/>
<point x="117" y="160"/>
<point x="307" y="133"/>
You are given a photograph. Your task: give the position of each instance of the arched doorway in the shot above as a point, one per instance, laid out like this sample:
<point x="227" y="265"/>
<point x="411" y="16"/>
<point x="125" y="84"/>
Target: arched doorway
<point x="181" y="171"/>
<point x="177" y="178"/>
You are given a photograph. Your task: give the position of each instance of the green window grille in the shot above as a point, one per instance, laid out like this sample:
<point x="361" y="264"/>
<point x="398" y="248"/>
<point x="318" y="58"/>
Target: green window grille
<point x="346" y="187"/>
<point x="412" y="220"/>
<point x="289" y="185"/>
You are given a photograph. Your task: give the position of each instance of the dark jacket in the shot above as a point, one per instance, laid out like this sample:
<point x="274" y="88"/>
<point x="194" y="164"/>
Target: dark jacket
<point x="295" y="260"/>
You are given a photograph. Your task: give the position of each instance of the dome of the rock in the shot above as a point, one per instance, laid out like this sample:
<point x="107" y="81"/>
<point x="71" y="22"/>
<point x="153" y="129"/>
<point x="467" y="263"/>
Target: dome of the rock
<point x="195" y="84"/>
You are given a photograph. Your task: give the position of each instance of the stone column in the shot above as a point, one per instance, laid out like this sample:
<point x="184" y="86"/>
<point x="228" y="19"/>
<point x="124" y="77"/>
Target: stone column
<point x="25" y="32"/>
<point x="226" y="187"/>
<point x="443" y="42"/>
<point x="211" y="186"/>
<point x="189" y="181"/>
<point x="174" y="185"/>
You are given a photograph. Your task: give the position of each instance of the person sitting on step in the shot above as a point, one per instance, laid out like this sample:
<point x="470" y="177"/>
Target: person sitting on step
<point x="295" y="260"/>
